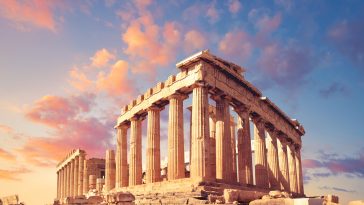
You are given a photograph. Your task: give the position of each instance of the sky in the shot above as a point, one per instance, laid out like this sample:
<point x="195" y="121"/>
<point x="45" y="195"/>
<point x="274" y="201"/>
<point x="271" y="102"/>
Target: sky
<point x="67" y="67"/>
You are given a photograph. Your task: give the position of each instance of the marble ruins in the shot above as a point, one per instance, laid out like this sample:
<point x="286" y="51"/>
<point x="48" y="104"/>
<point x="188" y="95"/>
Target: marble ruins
<point x="224" y="166"/>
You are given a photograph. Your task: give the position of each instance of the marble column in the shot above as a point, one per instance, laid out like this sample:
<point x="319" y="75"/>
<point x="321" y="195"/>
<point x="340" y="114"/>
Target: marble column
<point x="261" y="165"/>
<point x="92" y="181"/>
<point x="283" y="164"/>
<point x="299" y="170"/>
<point x="60" y="183"/>
<point x="233" y="149"/>
<point x="272" y="158"/>
<point x="72" y="171"/>
<point x="109" y="170"/>
<point x="81" y="160"/>
<point x="58" y="175"/>
<point x="65" y="181"/>
<point x="200" y="167"/>
<point x="244" y="149"/>
<point x="68" y="191"/>
<point x="121" y="157"/>
<point x="135" y="169"/>
<point x="75" y="176"/>
<point x="176" y="160"/>
<point x="153" y="171"/>
<point x="292" y="168"/>
<point x="85" y="185"/>
<point x="224" y="162"/>
<point x="212" y="125"/>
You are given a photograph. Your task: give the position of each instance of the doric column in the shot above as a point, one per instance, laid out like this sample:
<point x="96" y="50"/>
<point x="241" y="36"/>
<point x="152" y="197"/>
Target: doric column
<point x="109" y="170"/>
<point x="224" y="162"/>
<point x="153" y="172"/>
<point x="212" y="125"/>
<point x="58" y="184"/>
<point x="283" y="164"/>
<point x="200" y="167"/>
<point x="85" y="185"/>
<point x="299" y="170"/>
<point x="272" y="157"/>
<point x="69" y="181"/>
<point x="81" y="160"/>
<point x="92" y="181"/>
<point x="261" y="166"/>
<point x="121" y="157"/>
<point x="292" y="168"/>
<point x="75" y="177"/>
<point x="233" y="148"/>
<point x="176" y="160"/>
<point x="62" y="182"/>
<point x="72" y="172"/>
<point x="244" y="148"/>
<point x="135" y="169"/>
<point x="65" y="181"/>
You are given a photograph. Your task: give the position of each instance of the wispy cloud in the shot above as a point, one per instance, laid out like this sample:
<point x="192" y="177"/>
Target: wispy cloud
<point x="334" y="88"/>
<point x="12" y="174"/>
<point x="39" y="13"/>
<point x="7" y="155"/>
<point x="102" y="58"/>
<point x="337" y="189"/>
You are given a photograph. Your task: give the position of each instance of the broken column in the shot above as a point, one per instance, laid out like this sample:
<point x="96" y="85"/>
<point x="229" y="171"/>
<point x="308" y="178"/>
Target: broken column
<point x="109" y="170"/>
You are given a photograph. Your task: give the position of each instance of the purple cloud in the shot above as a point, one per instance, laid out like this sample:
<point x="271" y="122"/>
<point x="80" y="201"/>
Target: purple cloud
<point x="347" y="37"/>
<point x="334" y="88"/>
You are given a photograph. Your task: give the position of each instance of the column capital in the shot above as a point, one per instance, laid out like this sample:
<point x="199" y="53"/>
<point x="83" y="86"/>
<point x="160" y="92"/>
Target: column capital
<point x="154" y="108"/>
<point x="135" y="118"/>
<point x="242" y="110"/>
<point x="200" y="83"/>
<point x="269" y="127"/>
<point x="258" y="121"/>
<point x="178" y="96"/>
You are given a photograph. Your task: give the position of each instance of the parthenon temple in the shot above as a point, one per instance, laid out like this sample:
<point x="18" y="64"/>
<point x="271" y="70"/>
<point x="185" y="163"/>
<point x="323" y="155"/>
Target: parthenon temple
<point x="227" y="113"/>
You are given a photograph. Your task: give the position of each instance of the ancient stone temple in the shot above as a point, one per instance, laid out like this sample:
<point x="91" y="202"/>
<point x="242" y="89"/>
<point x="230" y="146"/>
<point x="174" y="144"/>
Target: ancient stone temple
<point x="222" y="158"/>
<point x="214" y="161"/>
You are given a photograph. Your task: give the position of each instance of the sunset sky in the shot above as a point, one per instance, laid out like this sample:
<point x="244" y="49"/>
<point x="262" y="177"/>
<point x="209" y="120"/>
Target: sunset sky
<point x="67" y="67"/>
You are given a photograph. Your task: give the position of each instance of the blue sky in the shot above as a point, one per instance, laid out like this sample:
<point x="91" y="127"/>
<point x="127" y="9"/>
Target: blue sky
<point x="67" y="67"/>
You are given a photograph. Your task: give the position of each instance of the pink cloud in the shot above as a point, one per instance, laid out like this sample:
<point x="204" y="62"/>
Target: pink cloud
<point x="7" y="155"/>
<point x="56" y="111"/>
<point x="149" y="45"/>
<point x="237" y="44"/>
<point x="269" y="24"/>
<point x="234" y="6"/>
<point x="116" y="83"/>
<point x="79" y="80"/>
<point x="12" y="174"/>
<point x="102" y="58"/>
<point x="194" y="40"/>
<point x="36" y="12"/>
<point x="212" y="13"/>
<point x="71" y="127"/>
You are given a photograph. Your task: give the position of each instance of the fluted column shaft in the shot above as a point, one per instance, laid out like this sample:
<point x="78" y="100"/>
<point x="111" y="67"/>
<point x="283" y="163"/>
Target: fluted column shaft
<point x="200" y="167"/>
<point x="292" y="168"/>
<point x="58" y="175"/>
<point x="72" y="174"/>
<point x="81" y="160"/>
<point x="261" y="165"/>
<point x="272" y="157"/>
<point x="244" y="149"/>
<point x="65" y="181"/>
<point x="85" y="177"/>
<point x="299" y="171"/>
<point x="69" y="179"/>
<point x="153" y="172"/>
<point x="224" y="162"/>
<point x="60" y="183"/>
<point x="135" y="170"/>
<point x="109" y="170"/>
<point x="233" y="149"/>
<point x="283" y="164"/>
<point x="176" y="160"/>
<point x="121" y="157"/>
<point x="212" y="125"/>
<point x="75" y="177"/>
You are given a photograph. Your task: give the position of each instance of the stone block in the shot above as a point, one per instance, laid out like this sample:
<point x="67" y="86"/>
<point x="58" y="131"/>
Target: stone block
<point x="124" y="109"/>
<point x="148" y="93"/>
<point x="171" y="79"/>
<point x="231" y="195"/>
<point x="332" y="198"/>
<point x="158" y="87"/>
<point x="140" y="99"/>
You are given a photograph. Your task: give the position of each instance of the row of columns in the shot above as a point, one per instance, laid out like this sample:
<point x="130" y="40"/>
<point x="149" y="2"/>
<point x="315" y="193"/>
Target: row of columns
<point x="277" y="164"/>
<point x="70" y="178"/>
